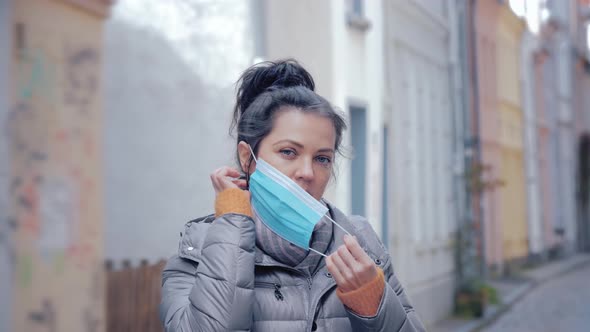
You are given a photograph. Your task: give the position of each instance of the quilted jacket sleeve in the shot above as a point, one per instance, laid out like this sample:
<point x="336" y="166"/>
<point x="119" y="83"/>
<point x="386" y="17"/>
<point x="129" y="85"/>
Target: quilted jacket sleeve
<point x="217" y="293"/>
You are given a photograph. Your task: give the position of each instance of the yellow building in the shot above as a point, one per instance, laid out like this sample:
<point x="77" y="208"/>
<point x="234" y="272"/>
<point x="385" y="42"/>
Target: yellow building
<point x="512" y="171"/>
<point x="54" y="136"/>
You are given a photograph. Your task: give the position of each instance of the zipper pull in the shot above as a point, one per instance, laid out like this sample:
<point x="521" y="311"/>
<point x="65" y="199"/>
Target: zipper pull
<point x="278" y="294"/>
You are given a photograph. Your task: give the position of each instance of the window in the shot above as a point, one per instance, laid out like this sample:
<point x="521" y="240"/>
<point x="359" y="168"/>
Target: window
<point x="358" y="133"/>
<point x="355" y="17"/>
<point x="357" y="7"/>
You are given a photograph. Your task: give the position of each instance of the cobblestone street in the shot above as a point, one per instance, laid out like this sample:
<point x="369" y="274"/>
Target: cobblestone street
<point x="561" y="304"/>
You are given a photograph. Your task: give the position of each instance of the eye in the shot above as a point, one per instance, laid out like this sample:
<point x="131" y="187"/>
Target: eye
<point x="324" y="160"/>
<point x="289" y="153"/>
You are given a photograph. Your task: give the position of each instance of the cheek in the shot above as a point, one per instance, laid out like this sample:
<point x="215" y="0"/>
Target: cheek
<point x="286" y="167"/>
<point x="323" y="177"/>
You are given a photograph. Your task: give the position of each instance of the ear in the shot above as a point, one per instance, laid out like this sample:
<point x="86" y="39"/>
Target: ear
<point x="245" y="156"/>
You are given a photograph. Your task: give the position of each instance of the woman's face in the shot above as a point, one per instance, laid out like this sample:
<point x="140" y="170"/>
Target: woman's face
<point x="301" y="146"/>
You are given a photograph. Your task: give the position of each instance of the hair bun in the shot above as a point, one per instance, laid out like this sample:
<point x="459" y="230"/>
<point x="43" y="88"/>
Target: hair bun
<point x="270" y="75"/>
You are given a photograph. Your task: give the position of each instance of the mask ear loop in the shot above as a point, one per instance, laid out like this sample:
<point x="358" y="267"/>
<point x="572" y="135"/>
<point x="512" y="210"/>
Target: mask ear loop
<point x="252" y="153"/>
<point x="335" y="223"/>
<point x="317" y="252"/>
<point x="250" y="163"/>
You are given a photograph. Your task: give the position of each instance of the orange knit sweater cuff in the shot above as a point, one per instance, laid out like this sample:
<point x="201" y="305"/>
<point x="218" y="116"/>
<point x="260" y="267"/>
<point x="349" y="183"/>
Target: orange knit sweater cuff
<point x="365" y="300"/>
<point x="233" y="200"/>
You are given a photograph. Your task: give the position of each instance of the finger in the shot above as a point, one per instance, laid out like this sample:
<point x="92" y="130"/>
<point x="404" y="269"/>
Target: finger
<point x="356" y="267"/>
<point x="241" y="183"/>
<point x="229" y="172"/>
<point x="215" y="181"/>
<point x="338" y="277"/>
<point x="226" y="183"/>
<point x="331" y="267"/>
<point x="347" y="273"/>
<point x="224" y="177"/>
<point x="346" y="257"/>
<point x="355" y="249"/>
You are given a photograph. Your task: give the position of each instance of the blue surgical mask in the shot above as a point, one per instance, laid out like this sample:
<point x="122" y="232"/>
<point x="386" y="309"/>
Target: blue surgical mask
<point x="284" y="207"/>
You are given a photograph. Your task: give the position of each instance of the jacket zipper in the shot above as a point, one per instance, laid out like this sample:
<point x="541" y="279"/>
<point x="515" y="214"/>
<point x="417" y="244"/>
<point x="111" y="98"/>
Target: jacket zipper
<point x="278" y="295"/>
<point x="316" y="305"/>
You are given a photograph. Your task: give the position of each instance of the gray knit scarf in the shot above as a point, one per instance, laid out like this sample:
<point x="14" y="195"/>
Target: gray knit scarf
<point x="289" y="254"/>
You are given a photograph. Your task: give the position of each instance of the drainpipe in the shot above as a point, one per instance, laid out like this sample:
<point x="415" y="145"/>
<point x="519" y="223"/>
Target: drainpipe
<point x="456" y="12"/>
<point x="475" y="142"/>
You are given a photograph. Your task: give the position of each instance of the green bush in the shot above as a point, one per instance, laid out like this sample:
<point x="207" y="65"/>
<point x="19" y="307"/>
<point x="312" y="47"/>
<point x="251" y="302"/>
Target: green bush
<point x="472" y="298"/>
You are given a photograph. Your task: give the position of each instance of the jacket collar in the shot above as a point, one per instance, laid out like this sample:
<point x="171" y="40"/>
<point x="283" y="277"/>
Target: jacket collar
<point x="196" y="230"/>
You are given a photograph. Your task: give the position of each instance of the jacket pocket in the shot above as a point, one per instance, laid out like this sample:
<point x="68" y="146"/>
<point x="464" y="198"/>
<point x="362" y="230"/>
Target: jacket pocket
<point x="269" y="285"/>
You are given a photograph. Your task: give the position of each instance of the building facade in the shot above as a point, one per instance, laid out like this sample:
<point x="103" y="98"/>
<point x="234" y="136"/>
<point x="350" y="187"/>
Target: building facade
<point x="511" y="136"/>
<point x="54" y="132"/>
<point x="418" y="69"/>
<point x="486" y="45"/>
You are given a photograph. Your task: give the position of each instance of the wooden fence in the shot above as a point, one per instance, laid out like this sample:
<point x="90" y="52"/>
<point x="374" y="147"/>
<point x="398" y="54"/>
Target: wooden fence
<point x="133" y="296"/>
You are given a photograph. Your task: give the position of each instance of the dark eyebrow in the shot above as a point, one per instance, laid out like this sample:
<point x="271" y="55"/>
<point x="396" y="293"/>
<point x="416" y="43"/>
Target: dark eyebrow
<point x="299" y="145"/>
<point x="326" y="150"/>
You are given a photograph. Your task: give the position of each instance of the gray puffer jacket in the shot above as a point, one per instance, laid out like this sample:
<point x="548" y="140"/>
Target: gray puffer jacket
<point x="220" y="281"/>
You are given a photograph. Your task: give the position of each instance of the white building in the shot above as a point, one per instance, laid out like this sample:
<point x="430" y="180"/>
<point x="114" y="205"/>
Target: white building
<point x="387" y="64"/>
<point x="560" y="45"/>
<point x="423" y="220"/>
<point x="558" y="35"/>
<point x="530" y="50"/>
<point x="340" y="42"/>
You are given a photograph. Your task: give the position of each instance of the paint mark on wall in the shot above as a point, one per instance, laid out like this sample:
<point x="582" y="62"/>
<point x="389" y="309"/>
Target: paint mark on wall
<point x="25" y="271"/>
<point x="45" y="316"/>
<point x="36" y="75"/>
<point x="81" y="77"/>
<point x="7" y="230"/>
<point x="58" y="211"/>
<point x="28" y="208"/>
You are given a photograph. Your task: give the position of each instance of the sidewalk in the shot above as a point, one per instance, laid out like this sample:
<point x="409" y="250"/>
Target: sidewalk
<point x="510" y="290"/>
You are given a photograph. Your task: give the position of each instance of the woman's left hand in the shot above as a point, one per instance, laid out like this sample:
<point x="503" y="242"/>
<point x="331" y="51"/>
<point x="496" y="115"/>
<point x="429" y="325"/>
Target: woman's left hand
<point x="351" y="267"/>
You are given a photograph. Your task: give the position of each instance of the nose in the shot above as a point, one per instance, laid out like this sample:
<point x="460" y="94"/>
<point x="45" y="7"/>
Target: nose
<point x="304" y="172"/>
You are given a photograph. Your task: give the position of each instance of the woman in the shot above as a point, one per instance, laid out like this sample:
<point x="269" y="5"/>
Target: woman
<point x="276" y="256"/>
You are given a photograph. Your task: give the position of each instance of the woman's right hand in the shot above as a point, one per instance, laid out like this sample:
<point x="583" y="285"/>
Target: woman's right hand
<point x="225" y="178"/>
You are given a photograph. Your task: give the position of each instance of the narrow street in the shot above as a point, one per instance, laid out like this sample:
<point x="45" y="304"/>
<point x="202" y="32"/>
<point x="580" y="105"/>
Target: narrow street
<point x="561" y="304"/>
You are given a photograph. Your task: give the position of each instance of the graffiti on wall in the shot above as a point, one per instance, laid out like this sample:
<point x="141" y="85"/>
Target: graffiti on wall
<point x="45" y="316"/>
<point x="52" y="131"/>
<point x="81" y="77"/>
<point x="48" y="205"/>
<point x="58" y="216"/>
